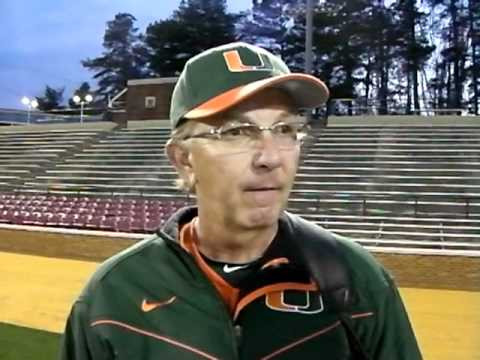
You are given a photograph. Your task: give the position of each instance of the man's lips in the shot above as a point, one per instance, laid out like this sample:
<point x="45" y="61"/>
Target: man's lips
<point x="263" y="195"/>
<point x="263" y="188"/>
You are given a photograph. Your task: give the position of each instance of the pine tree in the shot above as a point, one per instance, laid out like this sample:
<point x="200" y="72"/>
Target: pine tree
<point x="195" y="26"/>
<point x="380" y="50"/>
<point x="268" y="23"/>
<point x="453" y="33"/>
<point x="339" y="46"/>
<point x="124" y="58"/>
<point x="474" y="39"/>
<point x="415" y="49"/>
<point x="51" y="99"/>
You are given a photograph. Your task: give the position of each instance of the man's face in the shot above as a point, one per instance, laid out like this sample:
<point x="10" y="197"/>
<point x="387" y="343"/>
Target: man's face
<point x="245" y="188"/>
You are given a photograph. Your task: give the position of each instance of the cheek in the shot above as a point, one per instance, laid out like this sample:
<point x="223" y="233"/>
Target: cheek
<point x="218" y="176"/>
<point x="291" y="162"/>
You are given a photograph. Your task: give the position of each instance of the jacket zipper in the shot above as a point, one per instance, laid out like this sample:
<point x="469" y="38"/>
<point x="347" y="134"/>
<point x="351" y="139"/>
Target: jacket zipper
<point x="235" y="344"/>
<point x="226" y="315"/>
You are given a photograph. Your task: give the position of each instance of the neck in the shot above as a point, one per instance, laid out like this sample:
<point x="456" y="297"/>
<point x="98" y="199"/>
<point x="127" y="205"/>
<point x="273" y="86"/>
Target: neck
<point x="229" y="244"/>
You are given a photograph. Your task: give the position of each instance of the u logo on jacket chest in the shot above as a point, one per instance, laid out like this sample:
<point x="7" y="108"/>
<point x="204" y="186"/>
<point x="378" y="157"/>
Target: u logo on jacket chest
<point x="303" y="302"/>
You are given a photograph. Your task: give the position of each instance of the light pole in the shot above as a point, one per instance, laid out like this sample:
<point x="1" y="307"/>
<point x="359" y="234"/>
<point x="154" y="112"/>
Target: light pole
<point x="82" y="101"/>
<point x="308" y="37"/>
<point x="30" y="104"/>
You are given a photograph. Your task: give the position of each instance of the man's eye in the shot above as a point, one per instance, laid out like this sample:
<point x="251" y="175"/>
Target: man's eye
<point x="286" y="129"/>
<point x="237" y="132"/>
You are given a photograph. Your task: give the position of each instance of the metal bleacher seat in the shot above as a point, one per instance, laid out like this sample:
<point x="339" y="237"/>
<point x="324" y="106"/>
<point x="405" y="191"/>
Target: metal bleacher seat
<point x="108" y="223"/>
<point x="121" y="161"/>
<point x="152" y="224"/>
<point x="94" y="162"/>
<point x="359" y="181"/>
<point x="381" y="186"/>
<point x="94" y="222"/>
<point x="81" y="220"/>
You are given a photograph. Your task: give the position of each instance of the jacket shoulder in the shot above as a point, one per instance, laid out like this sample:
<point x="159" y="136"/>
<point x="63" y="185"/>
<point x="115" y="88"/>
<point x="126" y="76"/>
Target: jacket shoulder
<point x="338" y="254"/>
<point x="122" y="262"/>
<point x="364" y="267"/>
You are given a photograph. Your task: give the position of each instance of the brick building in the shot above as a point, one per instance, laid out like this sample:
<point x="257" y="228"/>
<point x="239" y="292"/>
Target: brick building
<point x="149" y="99"/>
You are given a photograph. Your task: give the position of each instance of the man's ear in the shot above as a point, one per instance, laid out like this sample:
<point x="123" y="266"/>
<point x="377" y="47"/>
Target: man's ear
<point x="177" y="154"/>
<point x="179" y="157"/>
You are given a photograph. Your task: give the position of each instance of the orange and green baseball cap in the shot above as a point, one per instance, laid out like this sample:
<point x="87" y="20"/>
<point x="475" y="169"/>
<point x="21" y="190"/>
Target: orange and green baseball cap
<point x="223" y="76"/>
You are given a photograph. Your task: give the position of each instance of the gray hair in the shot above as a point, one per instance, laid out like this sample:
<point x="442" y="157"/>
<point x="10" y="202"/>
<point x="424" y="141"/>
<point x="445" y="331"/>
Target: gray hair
<point x="178" y="134"/>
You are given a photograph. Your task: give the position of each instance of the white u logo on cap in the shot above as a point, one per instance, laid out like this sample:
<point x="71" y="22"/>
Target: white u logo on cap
<point x="235" y="64"/>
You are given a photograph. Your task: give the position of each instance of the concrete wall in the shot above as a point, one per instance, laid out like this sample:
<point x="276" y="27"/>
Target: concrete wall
<point x="146" y="124"/>
<point x="403" y="120"/>
<point x="417" y="271"/>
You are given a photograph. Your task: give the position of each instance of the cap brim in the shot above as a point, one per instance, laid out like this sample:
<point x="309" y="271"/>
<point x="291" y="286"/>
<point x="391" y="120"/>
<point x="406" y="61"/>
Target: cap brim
<point x="306" y="90"/>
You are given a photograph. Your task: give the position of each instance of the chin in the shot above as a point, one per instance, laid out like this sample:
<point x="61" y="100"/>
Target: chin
<point x="262" y="217"/>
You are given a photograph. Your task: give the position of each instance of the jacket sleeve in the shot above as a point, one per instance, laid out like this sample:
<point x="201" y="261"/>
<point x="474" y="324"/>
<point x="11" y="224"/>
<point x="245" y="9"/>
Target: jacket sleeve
<point x="389" y="334"/>
<point x="79" y="341"/>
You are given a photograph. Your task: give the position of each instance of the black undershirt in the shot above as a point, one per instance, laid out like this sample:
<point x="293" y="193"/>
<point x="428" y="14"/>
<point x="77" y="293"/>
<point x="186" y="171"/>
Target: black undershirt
<point x="233" y="274"/>
<point x="250" y="276"/>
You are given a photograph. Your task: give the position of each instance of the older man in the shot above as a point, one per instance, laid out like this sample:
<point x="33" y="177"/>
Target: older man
<point x="238" y="277"/>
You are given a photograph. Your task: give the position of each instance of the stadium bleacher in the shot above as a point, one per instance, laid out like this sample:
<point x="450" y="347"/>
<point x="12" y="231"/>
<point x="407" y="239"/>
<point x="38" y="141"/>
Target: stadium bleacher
<point x="397" y="186"/>
<point x="125" y="161"/>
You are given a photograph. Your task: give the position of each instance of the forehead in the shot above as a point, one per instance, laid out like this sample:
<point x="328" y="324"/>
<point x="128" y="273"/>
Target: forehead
<point x="266" y="99"/>
<point x="273" y="103"/>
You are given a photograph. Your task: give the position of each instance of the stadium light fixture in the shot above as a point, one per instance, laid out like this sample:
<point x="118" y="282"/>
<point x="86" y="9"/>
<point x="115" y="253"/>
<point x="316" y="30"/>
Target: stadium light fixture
<point x="82" y="101"/>
<point x="30" y="104"/>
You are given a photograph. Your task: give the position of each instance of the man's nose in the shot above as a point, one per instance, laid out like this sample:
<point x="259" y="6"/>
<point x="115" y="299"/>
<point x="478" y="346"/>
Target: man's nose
<point x="267" y="152"/>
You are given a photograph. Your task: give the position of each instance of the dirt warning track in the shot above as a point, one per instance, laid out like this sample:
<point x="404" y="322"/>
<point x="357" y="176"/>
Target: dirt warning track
<point x="37" y="292"/>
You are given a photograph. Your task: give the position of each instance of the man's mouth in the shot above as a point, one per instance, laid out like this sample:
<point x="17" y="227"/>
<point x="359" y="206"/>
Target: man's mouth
<point x="263" y="189"/>
<point x="263" y="194"/>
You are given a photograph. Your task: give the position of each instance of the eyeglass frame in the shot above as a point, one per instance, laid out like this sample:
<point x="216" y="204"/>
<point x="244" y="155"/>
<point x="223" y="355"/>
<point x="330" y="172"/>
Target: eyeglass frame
<point x="216" y="132"/>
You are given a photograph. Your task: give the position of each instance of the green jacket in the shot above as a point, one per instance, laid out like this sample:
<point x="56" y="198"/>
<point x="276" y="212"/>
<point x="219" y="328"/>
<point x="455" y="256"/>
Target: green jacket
<point x="151" y="301"/>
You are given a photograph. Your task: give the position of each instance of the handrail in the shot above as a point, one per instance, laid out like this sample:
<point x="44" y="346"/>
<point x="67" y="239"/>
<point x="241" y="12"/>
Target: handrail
<point x="419" y="251"/>
<point x="399" y="219"/>
<point x="469" y="201"/>
<point x="442" y="238"/>
<point x="445" y="111"/>
<point x="352" y="106"/>
<point x="116" y="97"/>
<point x="331" y="222"/>
<point x="401" y="233"/>
<point x="385" y="195"/>
<point x="405" y="199"/>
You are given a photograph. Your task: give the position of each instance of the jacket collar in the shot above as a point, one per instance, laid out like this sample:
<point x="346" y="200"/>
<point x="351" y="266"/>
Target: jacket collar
<point x="172" y="226"/>
<point x="284" y="241"/>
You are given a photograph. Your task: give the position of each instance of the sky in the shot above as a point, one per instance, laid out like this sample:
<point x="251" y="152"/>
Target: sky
<point x="43" y="41"/>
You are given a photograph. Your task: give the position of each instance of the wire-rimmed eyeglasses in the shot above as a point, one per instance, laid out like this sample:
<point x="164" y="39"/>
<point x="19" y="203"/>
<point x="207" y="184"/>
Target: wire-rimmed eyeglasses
<point x="285" y="134"/>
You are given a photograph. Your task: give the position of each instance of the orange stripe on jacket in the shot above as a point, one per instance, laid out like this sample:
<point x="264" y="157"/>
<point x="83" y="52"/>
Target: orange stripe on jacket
<point x="189" y="241"/>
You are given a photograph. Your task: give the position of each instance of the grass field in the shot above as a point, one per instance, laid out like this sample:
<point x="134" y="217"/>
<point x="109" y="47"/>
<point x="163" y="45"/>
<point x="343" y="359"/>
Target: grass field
<point x="20" y="343"/>
<point x="37" y="292"/>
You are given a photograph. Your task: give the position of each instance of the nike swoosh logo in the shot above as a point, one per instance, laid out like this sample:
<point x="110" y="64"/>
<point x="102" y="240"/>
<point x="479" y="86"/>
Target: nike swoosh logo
<point x="148" y="306"/>
<point x="229" y="269"/>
